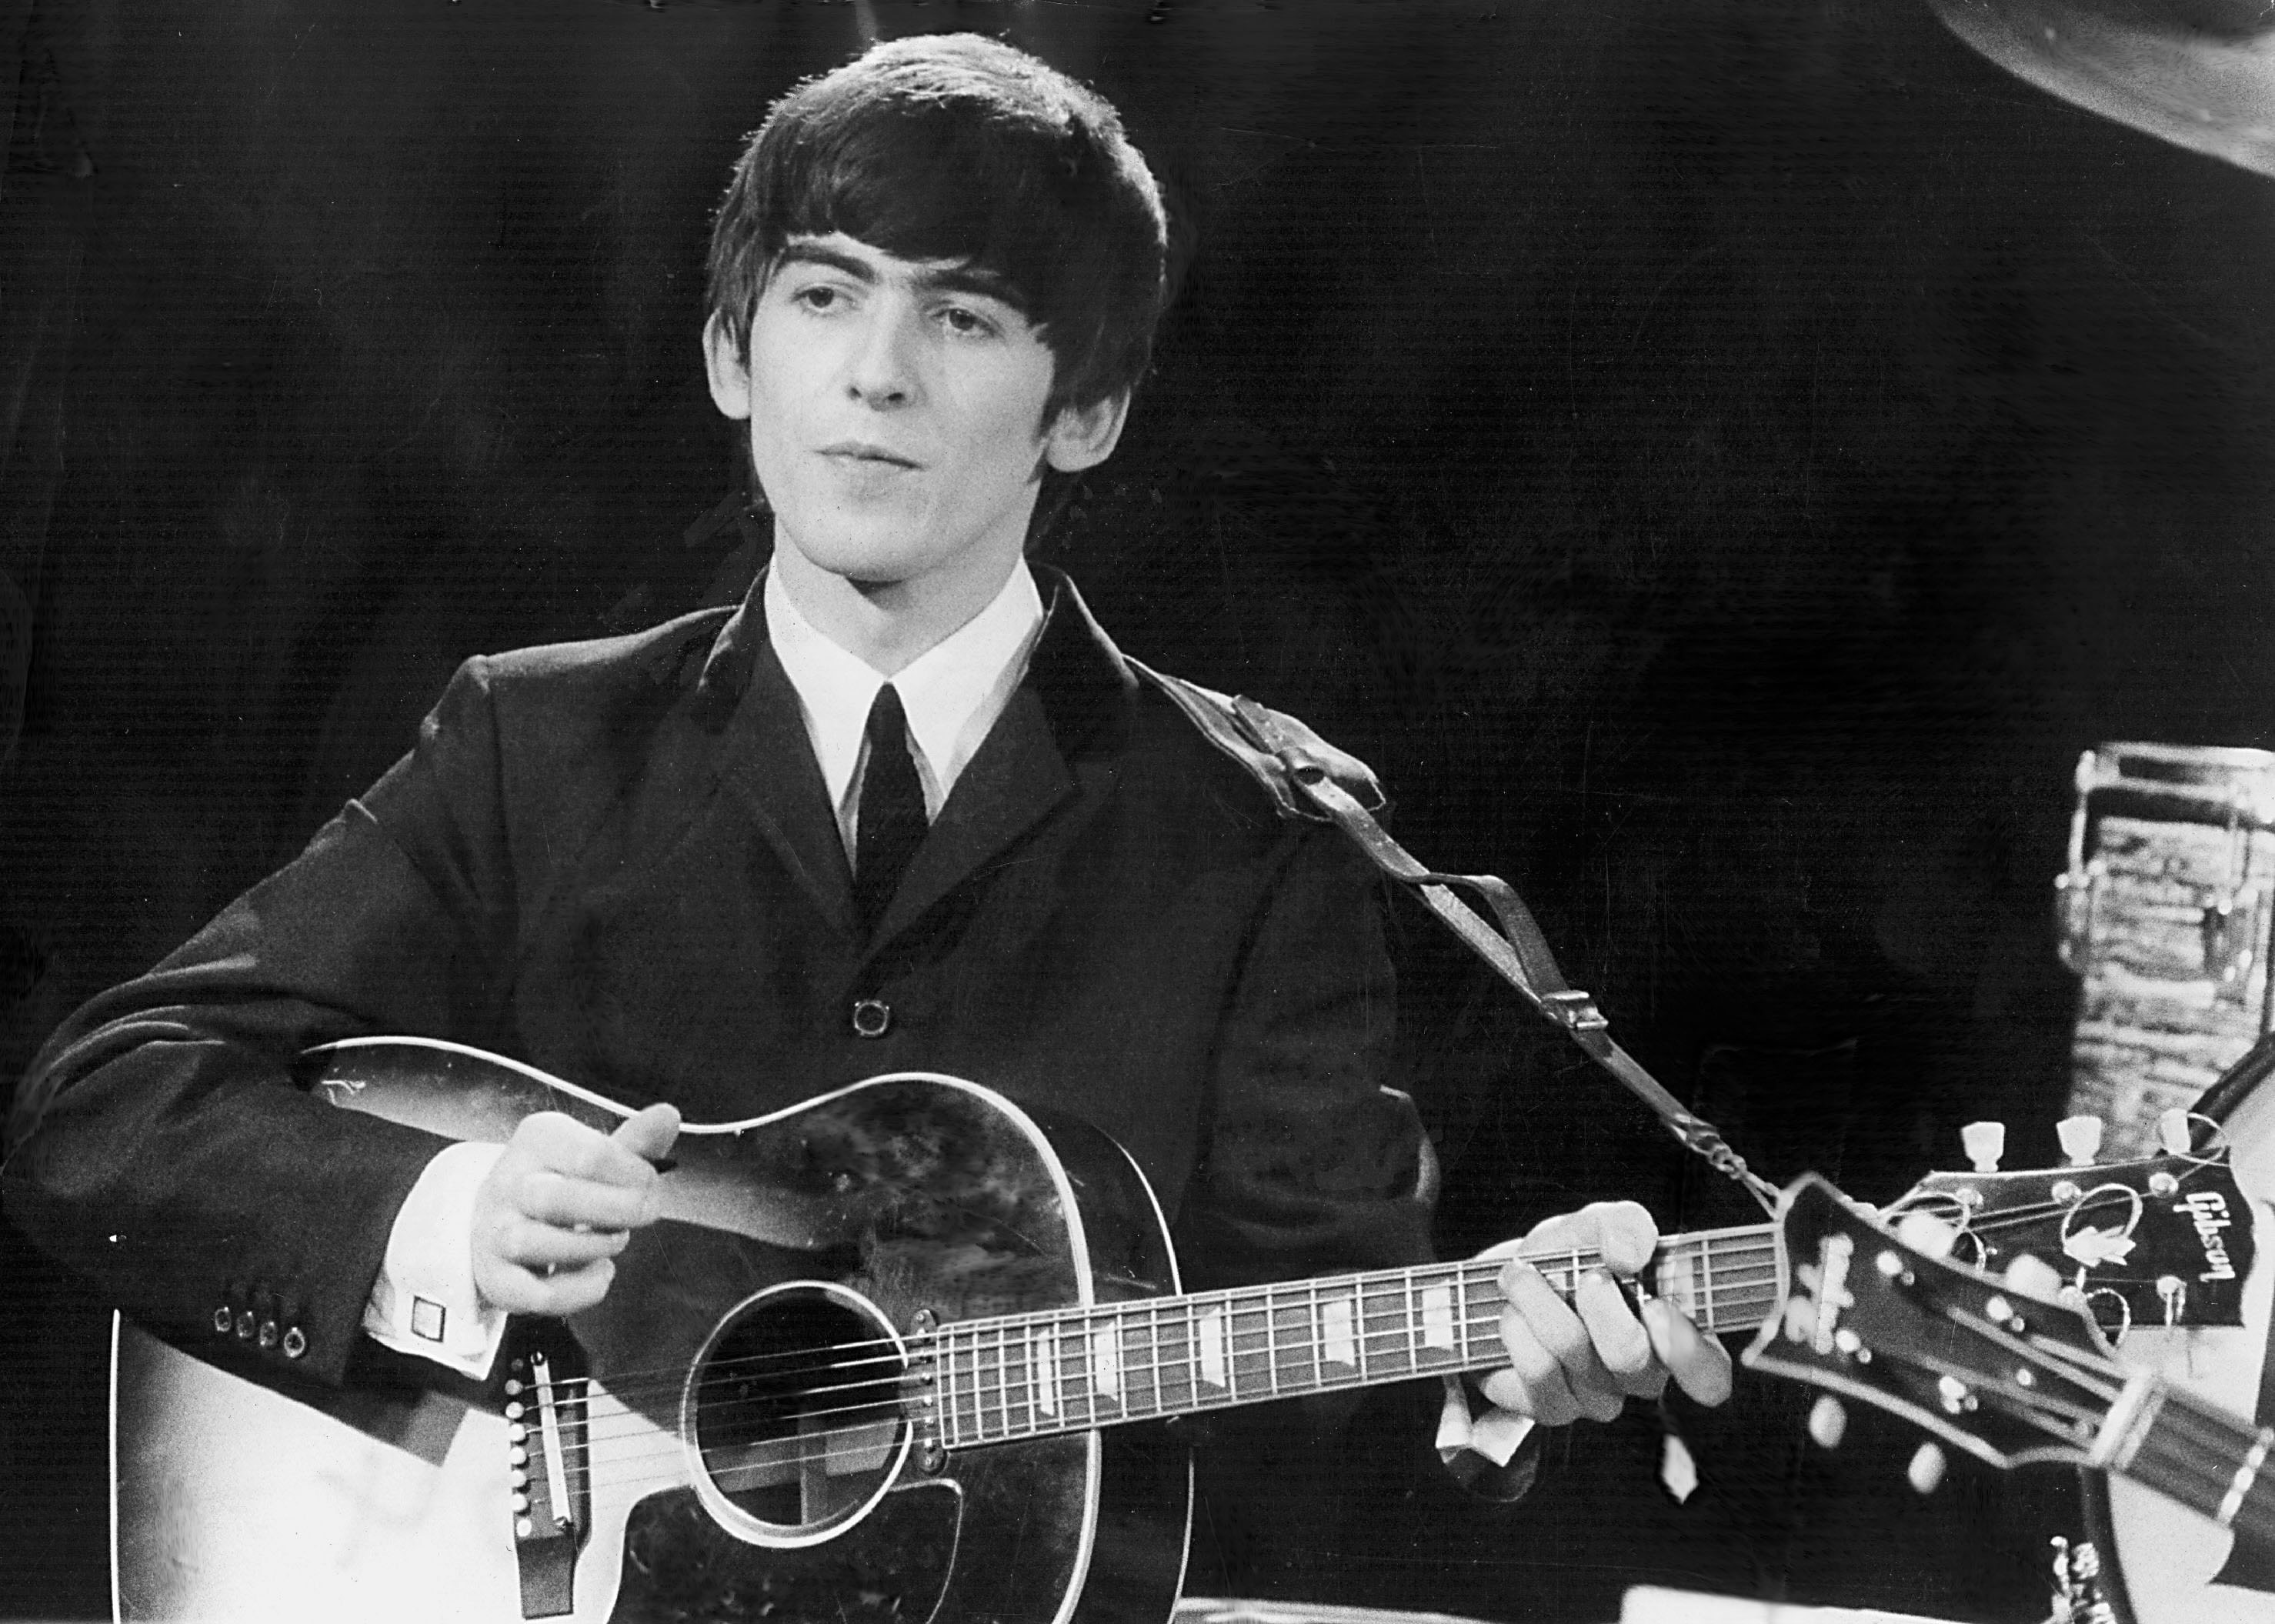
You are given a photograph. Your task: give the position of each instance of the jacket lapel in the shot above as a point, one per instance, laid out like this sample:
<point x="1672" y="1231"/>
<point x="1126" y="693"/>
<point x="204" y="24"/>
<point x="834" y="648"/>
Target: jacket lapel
<point x="768" y="761"/>
<point x="1077" y="683"/>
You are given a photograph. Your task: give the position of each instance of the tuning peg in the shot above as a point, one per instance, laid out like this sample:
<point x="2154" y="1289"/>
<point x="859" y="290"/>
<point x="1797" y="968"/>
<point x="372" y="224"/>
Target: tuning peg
<point x="1984" y="1143"/>
<point x="1925" y="1232"/>
<point x="1925" y="1471"/>
<point x="2033" y="1277"/>
<point x="2172" y="1131"/>
<point x="2081" y="1139"/>
<point x="1828" y="1422"/>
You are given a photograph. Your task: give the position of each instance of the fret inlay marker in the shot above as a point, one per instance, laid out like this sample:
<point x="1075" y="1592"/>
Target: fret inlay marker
<point x="1436" y="1316"/>
<point x="1213" y="1346"/>
<point x="1106" y="1362"/>
<point x="1341" y="1349"/>
<point x="1047" y="1376"/>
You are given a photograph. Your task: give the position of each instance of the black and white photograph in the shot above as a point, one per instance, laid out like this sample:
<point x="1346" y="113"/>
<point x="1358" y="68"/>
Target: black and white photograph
<point x="1138" y="811"/>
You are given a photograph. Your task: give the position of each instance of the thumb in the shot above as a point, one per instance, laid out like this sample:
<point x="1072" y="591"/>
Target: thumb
<point x="648" y="1134"/>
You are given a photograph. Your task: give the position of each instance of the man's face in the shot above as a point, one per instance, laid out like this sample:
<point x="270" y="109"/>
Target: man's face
<point x="897" y="413"/>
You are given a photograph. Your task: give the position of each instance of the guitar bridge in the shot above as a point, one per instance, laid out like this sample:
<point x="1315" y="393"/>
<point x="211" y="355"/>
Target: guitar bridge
<point x="544" y="1431"/>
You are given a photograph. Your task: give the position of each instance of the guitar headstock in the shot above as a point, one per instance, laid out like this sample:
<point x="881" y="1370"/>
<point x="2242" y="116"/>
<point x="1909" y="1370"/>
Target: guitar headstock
<point x="2010" y="1379"/>
<point x="2162" y="1240"/>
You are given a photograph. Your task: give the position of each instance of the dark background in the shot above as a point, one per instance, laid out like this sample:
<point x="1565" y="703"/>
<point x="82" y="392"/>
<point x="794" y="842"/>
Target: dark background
<point x="1721" y="462"/>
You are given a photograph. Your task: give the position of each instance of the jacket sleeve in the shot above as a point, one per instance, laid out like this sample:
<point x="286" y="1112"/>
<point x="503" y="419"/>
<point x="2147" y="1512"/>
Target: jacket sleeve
<point x="174" y="1163"/>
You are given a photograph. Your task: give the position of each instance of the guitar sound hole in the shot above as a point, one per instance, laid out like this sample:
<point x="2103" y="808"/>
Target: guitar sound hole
<point x="798" y="1412"/>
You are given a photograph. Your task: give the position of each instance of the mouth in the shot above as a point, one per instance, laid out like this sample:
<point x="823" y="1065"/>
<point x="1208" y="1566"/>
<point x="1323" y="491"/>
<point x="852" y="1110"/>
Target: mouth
<point x="863" y="453"/>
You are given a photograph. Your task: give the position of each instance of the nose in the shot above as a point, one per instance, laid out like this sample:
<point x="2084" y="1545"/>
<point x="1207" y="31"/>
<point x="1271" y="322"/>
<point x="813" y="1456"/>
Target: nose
<point x="883" y="372"/>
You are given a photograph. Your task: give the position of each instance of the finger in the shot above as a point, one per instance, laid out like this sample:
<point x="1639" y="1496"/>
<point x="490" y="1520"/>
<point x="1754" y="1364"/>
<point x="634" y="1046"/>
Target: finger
<point x="1534" y="1384"/>
<point x="1622" y="1345"/>
<point x="566" y="1202"/>
<point x="523" y="1291"/>
<point x="1626" y="1235"/>
<point x="648" y="1134"/>
<point x="1531" y="1302"/>
<point x="563" y="1144"/>
<point x="542" y="1246"/>
<point x="1699" y="1363"/>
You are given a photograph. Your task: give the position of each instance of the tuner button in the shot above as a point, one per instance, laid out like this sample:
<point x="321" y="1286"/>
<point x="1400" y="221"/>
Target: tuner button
<point x="1925" y="1232"/>
<point x="1984" y="1143"/>
<point x="1925" y="1471"/>
<point x="1828" y="1422"/>
<point x="2081" y="1139"/>
<point x="2172" y="1131"/>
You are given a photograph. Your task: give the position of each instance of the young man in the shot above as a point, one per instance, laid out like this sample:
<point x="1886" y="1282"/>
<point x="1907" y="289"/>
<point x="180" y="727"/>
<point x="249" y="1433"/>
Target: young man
<point x="907" y="807"/>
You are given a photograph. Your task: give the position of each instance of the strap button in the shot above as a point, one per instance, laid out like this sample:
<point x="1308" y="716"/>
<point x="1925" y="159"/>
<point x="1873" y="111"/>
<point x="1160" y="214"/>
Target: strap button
<point x="873" y="1017"/>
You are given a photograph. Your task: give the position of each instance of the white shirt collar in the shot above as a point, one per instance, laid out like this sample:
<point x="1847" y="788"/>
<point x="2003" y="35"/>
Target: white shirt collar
<point x="952" y="693"/>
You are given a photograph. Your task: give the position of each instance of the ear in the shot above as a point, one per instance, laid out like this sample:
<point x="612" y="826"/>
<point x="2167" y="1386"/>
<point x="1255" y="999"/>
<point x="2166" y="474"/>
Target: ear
<point x="1082" y="437"/>
<point x="730" y="372"/>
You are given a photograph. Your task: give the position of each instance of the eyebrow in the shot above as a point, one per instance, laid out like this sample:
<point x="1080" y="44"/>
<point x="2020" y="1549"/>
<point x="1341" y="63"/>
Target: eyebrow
<point x="958" y="278"/>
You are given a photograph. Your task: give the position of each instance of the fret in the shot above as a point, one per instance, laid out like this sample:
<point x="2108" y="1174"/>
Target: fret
<point x="1291" y="1337"/>
<point x="1271" y="1346"/>
<point x="1318" y="1338"/>
<point x="1703" y="1267"/>
<point x="1157" y="1403"/>
<point x="1245" y="1353"/>
<point x="1413" y="1330"/>
<point x="1180" y="1362"/>
<point x="1003" y="1376"/>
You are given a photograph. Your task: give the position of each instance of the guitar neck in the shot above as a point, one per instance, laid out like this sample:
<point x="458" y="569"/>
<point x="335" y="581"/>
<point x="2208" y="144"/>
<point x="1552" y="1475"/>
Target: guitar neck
<point x="1027" y="1375"/>
<point x="2203" y="1457"/>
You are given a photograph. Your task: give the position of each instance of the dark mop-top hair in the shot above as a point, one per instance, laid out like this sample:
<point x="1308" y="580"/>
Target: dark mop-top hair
<point x="959" y="147"/>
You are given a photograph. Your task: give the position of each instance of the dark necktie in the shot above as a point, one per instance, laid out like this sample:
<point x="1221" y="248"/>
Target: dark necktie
<point x="890" y="825"/>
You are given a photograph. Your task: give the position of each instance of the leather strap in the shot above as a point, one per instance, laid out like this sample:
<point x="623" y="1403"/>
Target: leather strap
<point x="1309" y="778"/>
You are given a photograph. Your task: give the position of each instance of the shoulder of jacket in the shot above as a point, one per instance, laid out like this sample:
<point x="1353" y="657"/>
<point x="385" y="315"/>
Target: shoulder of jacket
<point x="1229" y="724"/>
<point x="670" y="656"/>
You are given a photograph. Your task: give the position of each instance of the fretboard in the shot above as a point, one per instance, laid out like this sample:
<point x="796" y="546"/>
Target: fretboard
<point x="2211" y="1462"/>
<point x="1070" y="1370"/>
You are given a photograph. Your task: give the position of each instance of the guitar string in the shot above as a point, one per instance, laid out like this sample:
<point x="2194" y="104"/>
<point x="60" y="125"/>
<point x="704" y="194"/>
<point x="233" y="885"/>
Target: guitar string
<point x="1144" y="1396"/>
<point x="2181" y="1457"/>
<point x="972" y="1341"/>
<point x="1746" y="1242"/>
<point x="1145" y="1391"/>
<point x="1301" y="1363"/>
<point x="1284" y="1297"/>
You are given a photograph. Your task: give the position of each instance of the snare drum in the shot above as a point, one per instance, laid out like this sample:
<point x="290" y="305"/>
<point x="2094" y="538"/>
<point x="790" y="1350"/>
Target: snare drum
<point x="2161" y="1561"/>
<point x="2165" y="917"/>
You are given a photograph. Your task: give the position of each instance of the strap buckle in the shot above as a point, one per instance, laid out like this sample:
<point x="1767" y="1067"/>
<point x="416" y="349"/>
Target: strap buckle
<point x="1574" y="1011"/>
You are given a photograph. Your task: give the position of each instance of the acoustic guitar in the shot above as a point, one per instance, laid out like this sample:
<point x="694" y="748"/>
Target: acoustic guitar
<point x="886" y="1356"/>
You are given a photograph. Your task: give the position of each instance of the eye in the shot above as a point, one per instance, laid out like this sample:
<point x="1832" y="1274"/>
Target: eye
<point x="817" y="297"/>
<point x="966" y="322"/>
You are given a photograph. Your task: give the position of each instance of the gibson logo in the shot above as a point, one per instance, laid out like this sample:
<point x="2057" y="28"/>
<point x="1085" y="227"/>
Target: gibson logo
<point x="2207" y="1210"/>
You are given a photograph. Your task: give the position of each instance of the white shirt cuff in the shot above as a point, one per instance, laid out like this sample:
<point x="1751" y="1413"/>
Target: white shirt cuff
<point x="425" y="1302"/>
<point x="1496" y="1435"/>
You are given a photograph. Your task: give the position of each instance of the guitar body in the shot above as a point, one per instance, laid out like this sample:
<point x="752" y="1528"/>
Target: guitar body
<point x="737" y="1432"/>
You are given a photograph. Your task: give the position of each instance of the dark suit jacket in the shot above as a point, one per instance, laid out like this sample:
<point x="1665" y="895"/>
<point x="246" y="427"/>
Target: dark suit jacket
<point x="615" y="860"/>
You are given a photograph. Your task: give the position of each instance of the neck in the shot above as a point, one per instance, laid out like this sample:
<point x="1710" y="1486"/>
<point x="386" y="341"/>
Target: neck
<point x="889" y="624"/>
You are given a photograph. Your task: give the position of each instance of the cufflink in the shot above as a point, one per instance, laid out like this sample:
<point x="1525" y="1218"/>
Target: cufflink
<point x="426" y="1318"/>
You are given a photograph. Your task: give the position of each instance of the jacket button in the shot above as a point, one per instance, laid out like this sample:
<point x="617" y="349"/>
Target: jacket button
<point x="296" y="1341"/>
<point x="222" y="1321"/>
<point x="873" y="1017"/>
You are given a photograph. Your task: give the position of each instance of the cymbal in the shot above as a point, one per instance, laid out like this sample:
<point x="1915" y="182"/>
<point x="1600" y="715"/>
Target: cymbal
<point x="2200" y="73"/>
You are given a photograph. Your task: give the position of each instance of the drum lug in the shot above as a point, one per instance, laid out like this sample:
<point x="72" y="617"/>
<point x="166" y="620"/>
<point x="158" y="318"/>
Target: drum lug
<point x="2075" y="895"/>
<point x="2231" y="930"/>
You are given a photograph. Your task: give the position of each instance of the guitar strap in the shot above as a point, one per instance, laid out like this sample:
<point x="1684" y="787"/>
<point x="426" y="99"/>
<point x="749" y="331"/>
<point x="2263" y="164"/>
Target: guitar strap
<point x="1309" y="778"/>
